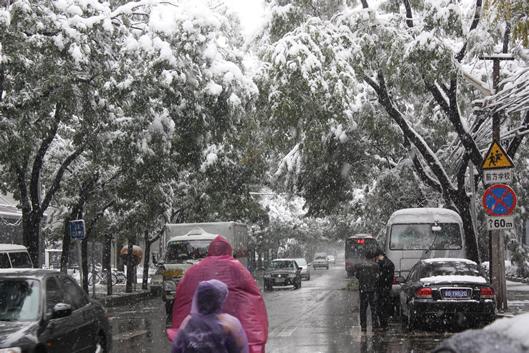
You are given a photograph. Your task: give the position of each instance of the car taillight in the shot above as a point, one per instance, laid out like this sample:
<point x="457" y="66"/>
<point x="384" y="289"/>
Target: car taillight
<point x="423" y="293"/>
<point x="486" y="293"/>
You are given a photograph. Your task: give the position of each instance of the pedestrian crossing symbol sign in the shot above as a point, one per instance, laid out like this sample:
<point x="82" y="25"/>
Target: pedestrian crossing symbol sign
<point x="497" y="158"/>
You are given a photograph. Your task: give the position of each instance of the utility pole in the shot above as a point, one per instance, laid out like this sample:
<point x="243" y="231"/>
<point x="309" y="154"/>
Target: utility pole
<point x="496" y="237"/>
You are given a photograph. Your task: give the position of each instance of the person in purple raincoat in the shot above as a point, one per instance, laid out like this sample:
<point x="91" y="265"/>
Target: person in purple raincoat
<point x="207" y="329"/>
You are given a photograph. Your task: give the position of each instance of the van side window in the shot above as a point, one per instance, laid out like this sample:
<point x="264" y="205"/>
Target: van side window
<point x="4" y="260"/>
<point x="20" y="260"/>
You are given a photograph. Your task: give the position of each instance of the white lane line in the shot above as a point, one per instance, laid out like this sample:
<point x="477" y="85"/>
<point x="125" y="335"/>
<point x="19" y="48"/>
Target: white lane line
<point x="287" y="332"/>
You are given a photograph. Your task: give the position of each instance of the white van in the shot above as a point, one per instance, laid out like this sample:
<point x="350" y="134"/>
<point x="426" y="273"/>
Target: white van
<point x="417" y="233"/>
<point x="14" y="256"/>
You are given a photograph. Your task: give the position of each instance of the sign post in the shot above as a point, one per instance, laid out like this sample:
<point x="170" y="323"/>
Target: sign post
<point x="76" y="230"/>
<point x="499" y="203"/>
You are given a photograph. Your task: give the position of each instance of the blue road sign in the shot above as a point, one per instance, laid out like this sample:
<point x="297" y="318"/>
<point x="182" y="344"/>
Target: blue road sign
<point x="499" y="200"/>
<point x="76" y="229"/>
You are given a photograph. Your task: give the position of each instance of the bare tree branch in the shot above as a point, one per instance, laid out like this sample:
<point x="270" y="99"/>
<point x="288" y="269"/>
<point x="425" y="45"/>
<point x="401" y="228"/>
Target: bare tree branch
<point x="461" y="172"/>
<point x="2" y="81"/>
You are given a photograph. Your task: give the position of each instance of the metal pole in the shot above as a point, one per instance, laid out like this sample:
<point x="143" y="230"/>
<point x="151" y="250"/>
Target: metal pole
<point x="496" y="242"/>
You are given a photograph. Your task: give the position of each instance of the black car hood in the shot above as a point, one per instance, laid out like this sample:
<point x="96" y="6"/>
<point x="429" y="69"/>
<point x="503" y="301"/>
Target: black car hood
<point x="18" y="333"/>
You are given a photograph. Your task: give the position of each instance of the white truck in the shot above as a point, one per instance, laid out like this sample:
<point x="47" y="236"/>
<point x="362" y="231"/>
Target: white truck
<point x="186" y="244"/>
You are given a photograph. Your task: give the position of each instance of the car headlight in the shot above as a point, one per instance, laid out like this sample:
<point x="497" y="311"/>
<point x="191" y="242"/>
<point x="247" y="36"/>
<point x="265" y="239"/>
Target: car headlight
<point x="11" y="350"/>
<point x="291" y="275"/>
<point x="168" y="286"/>
<point x="267" y="275"/>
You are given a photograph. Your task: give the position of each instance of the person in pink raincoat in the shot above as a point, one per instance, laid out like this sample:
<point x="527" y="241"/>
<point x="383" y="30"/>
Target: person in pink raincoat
<point x="244" y="300"/>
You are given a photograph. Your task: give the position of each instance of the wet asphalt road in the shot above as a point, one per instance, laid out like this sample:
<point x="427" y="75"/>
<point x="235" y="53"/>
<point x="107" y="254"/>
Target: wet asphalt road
<point x="320" y="317"/>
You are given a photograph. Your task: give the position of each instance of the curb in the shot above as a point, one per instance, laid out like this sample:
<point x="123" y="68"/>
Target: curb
<point x="125" y="298"/>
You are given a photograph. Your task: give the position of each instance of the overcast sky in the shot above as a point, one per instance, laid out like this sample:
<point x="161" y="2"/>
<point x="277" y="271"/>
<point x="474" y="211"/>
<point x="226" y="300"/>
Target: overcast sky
<point x="251" y="13"/>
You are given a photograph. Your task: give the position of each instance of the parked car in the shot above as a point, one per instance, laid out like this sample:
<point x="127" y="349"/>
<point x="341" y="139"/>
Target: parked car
<point x="305" y="270"/>
<point x="47" y="311"/>
<point x="320" y="260"/>
<point x="14" y="256"/>
<point x="505" y="335"/>
<point x="449" y="291"/>
<point x="331" y="259"/>
<point x="282" y="273"/>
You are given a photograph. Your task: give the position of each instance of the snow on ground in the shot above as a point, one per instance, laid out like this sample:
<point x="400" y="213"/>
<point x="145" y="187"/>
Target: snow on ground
<point x="516" y="328"/>
<point x="517" y="286"/>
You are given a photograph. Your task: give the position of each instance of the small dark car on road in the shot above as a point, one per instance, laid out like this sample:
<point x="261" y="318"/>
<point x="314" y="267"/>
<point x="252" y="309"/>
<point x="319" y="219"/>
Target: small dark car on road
<point x="44" y="311"/>
<point x="282" y="272"/>
<point x="446" y="291"/>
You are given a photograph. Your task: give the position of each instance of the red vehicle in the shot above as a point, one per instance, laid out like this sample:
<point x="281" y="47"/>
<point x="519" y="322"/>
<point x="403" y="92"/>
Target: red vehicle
<point x="356" y="247"/>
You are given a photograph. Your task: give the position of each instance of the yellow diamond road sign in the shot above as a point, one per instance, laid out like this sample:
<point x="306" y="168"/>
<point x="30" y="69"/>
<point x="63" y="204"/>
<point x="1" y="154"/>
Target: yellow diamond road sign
<point x="497" y="158"/>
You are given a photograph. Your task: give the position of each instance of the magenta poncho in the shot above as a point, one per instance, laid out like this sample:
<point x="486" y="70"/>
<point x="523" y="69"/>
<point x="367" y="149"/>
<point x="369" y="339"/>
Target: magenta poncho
<point x="244" y="299"/>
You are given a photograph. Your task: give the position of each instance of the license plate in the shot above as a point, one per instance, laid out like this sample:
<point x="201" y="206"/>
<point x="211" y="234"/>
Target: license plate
<point x="279" y="280"/>
<point x="456" y="293"/>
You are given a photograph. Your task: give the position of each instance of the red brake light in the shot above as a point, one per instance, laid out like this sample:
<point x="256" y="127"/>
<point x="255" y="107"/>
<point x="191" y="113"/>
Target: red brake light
<point x="423" y="293"/>
<point x="486" y="293"/>
<point x="360" y="241"/>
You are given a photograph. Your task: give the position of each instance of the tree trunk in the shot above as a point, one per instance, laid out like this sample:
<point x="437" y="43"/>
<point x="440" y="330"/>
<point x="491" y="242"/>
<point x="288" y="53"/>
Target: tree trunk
<point x="107" y="254"/>
<point x="146" y="260"/>
<point x="130" y="270"/>
<point x="84" y="263"/>
<point x="31" y="235"/>
<point x="462" y="202"/>
<point x="66" y="241"/>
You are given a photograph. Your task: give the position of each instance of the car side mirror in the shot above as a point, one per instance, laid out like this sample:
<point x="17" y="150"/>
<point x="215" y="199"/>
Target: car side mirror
<point x="61" y="310"/>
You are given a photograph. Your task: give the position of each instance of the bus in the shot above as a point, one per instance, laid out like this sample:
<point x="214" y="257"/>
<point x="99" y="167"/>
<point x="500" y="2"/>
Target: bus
<point x="356" y="248"/>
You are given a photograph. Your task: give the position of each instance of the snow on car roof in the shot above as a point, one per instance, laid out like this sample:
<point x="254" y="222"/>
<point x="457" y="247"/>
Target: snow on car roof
<point x="424" y="215"/>
<point x="515" y="328"/>
<point x="454" y="279"/>
<point x="12" y="247"/>
<point x="449" y="259"/>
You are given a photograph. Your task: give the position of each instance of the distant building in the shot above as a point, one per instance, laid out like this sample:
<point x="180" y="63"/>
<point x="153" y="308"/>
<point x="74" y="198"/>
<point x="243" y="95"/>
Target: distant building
<point x="10" y="221"/>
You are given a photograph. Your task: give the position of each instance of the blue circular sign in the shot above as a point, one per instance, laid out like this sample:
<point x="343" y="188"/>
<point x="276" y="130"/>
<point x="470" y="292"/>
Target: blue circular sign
<point x="499" y="200"/>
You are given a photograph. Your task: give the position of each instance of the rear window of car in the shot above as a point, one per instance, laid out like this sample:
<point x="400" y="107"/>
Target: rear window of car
<point x="301" y="262"/>
<point x="20" y="260"/>
<point x="320" y="256"/>
<point x="4" y="261"/>
<point x="449" y="269"/>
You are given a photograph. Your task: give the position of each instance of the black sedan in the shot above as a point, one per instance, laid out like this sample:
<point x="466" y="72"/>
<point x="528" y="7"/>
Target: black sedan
<point x="282" y="272"/>
<point x="43" y="311"/>
<point x="446" y="291"/>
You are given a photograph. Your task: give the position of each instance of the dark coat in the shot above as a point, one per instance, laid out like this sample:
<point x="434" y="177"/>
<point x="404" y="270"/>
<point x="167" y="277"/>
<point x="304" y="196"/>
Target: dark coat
<point x="367" y="275"/>
<point x="387" y="271"/>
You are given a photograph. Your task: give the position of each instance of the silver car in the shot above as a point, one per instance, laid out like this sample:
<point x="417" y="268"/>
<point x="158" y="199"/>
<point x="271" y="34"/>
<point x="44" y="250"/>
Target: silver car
<point x="305" y="271"/>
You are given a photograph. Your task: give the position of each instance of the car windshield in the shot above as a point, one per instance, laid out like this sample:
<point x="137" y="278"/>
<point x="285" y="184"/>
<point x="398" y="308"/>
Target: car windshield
<point x="20" y="260"/>
<point x="449" y="268"/>
<point x="180" y="251"/>
<point x="19" y="300"/>
<point x="281" y="265"/>
<point x="421" y="237"/>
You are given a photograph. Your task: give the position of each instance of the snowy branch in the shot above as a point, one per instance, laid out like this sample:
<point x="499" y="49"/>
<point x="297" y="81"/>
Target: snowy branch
<point x="431" y="159"/>
<point x="34" y="183"/>
<point x="2" y="81"/>
<point x="424" y="176"/>
<point x="439" y="96"/>
<point x="456" y="119"/>
<point x="473" y="26"/>
<point x="461" y="173"/>
<point x="517" y="141"/>
<point x="409" y="14"/>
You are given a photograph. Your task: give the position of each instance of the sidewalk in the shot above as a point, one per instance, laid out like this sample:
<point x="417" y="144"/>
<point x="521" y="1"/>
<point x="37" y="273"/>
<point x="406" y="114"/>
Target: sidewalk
<point x="119" y="297"/>
<point x="517" y="297"/>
